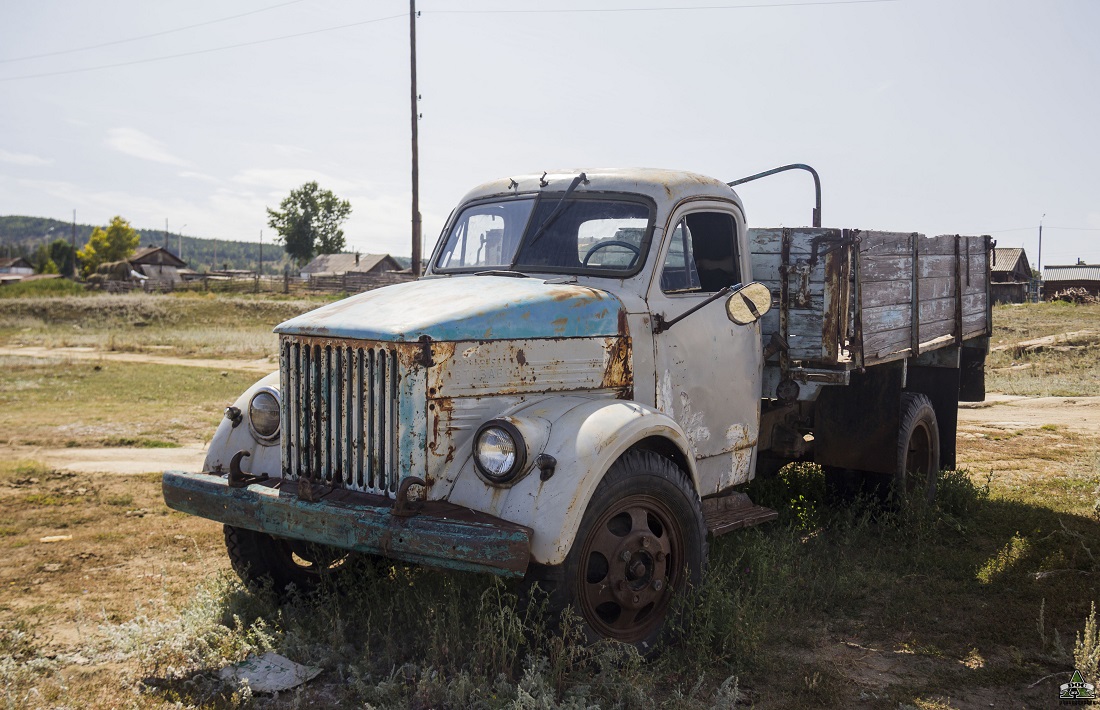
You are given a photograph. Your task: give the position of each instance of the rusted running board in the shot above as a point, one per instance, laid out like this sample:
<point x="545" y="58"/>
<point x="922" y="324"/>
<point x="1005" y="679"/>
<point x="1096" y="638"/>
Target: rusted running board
<point x="734" y="512"/>
<point x="441" y="535"/>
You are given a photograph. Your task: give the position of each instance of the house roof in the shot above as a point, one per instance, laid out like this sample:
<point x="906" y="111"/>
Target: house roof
<point x="1079" y="272"/>
<point x="156" y="256"/>
<point x="15" y="261"/>
<point x="1005" y="259"/>
<point x="343" y="263"/>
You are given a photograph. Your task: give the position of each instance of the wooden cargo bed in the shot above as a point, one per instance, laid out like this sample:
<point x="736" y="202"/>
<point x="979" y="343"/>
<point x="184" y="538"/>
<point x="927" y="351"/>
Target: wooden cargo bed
<point x="849" y="298"/>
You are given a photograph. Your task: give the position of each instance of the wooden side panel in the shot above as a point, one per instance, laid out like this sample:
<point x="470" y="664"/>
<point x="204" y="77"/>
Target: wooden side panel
<point x="974" y="273"/>
<point x="886" y="290"/>
<point x="817" y="288"/>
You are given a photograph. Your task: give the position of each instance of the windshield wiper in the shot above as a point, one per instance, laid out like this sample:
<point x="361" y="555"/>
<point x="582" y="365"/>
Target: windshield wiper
<point x="502" y="272"/>
<point x="558" y="209"/>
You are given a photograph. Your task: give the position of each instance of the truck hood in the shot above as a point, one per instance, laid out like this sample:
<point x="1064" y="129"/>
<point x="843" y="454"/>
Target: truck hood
<point x="465" y="308"/>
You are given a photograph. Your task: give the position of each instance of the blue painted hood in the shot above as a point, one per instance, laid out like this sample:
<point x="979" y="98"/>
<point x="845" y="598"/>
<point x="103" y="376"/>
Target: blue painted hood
<point x="465" y="308"/>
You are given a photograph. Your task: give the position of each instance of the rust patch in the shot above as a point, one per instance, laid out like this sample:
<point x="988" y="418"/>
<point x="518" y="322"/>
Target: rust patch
<point x="618" y="374"/>
<point x="441" y="409"/>
<point x="560" y="324"/>
<point x="520" y="357"/>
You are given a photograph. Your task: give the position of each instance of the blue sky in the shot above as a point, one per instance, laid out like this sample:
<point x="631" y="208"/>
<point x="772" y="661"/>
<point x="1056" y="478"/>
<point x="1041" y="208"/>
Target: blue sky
<point x="970" y="116"/>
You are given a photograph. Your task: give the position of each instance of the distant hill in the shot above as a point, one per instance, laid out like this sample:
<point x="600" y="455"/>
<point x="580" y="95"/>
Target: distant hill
<point x="20" y="236"/>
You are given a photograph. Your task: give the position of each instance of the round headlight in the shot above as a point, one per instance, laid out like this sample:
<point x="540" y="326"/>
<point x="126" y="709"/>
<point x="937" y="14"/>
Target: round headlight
<point x="499" y="451"/>
<point x="263" y="416"/>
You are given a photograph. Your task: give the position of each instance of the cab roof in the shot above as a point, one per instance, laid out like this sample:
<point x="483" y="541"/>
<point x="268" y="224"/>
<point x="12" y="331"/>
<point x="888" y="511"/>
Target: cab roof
<point x="663" y="186"/>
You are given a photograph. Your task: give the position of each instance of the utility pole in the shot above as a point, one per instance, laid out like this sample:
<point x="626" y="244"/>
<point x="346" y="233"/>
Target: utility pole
<point x="165" y="234"/>
<point x="261" y="271"/>
<point x="415" y="148"/>
<point x="1039" y="288"/>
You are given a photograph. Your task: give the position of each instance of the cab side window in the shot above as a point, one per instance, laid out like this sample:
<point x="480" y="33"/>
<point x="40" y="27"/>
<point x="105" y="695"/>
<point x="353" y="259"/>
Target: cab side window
<point x="702" y="257"/>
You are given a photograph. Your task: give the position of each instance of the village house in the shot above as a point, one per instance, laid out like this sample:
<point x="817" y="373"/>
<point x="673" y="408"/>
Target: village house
<point x="158" y="264"/>
<point x="340" y="264"/>
<point x="1076" y="276"/>
<point x="1010" y="274"/>
<point x="15" y="265"/>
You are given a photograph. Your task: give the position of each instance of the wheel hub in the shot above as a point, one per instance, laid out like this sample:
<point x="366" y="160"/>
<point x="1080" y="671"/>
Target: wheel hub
<point x="638" y="577"/>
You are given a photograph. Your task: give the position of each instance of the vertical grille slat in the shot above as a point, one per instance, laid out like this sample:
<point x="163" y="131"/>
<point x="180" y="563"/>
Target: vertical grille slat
<point x="340" y="412"/>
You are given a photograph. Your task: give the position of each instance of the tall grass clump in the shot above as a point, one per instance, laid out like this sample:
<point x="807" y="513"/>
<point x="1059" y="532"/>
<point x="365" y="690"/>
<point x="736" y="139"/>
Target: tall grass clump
<point x="40" y="288"/>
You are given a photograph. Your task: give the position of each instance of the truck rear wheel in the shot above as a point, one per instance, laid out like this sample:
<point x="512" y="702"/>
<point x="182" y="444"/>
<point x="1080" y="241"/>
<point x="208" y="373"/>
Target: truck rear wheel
<point x="918" y="461"/>
<point x="259" y="558"/>
<point x="642" y="541"/>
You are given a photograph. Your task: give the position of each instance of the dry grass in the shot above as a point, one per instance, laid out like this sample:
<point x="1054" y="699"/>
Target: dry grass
<point x="82" y="403"/>
<point x="1068" y="368"/>
<point x="174" y="324"/>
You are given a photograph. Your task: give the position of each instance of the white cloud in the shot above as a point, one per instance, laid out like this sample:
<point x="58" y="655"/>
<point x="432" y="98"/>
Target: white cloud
<point x="133" y="142"/>
<point x="280" y="181"/>
<point x="23" y="159"/>
<point x="192" y="175"/>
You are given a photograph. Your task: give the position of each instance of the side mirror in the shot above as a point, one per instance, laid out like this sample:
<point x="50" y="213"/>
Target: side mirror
<point x="749" y="303"/>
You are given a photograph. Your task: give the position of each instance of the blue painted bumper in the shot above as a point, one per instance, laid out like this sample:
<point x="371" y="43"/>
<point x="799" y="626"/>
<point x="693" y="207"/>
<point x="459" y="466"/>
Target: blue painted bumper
<point x="440" y="535"/>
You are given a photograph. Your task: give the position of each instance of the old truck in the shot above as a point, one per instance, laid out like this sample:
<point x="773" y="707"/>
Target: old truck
<point x="575" y="393"/>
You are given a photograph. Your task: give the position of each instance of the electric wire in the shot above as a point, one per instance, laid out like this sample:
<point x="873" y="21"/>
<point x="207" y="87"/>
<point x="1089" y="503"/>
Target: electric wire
<point x="691" y="8"/>
<point x="200" y="51"/>
<point x="148" y="36"/>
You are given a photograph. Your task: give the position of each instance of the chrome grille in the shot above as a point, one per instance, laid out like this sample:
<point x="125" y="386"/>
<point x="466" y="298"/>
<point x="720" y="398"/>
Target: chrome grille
<point x="340" y="414"/>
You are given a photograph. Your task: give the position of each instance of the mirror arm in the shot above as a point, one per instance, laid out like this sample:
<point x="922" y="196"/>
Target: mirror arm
<point x="660" y="325"/>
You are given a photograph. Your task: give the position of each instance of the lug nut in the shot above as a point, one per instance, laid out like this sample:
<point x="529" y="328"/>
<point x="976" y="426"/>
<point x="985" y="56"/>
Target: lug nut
<point x="645" y="542"/>
<point x="625" y="556"/>
<point x="660" y="556"/>
<point x="658" y="585"/>
<point x="621" y="585"/>
<point x="635" y="598"/>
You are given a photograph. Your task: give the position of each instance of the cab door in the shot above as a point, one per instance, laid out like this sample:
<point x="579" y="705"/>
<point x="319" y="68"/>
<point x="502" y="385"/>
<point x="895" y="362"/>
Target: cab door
<point x="708" y="370"/>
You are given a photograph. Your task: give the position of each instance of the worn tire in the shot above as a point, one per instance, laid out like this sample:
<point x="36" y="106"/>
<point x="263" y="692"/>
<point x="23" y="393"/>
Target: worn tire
<point x="260" y="559"/>
<point x="918" y="455"/>
<point x="647" y="507"/>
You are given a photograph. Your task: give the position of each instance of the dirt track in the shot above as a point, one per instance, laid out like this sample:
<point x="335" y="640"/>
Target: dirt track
<point x="264" y="365"/>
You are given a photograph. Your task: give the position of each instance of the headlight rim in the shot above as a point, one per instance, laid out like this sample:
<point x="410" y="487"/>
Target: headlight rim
<point x="274" y="437"/>
<point x="520" y="465"/>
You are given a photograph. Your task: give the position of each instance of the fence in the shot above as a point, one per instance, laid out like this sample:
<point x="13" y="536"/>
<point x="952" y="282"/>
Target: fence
<point x="351" y="282"/>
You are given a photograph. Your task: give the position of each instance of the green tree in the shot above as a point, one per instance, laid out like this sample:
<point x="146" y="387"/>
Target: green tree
<point x="63" y="256"/>
<point x="43" y="264"/>
<point x="308" y="222"/>
<point x="116" y="243"/>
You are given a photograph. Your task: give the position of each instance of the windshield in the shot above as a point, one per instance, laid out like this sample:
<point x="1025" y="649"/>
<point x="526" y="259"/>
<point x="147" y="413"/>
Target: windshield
<point x="599" y="236"/>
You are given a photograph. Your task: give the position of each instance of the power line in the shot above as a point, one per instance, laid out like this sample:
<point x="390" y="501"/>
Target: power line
<point x="1078" y="229"/>
<point x="999" y="231"/>
<point x="199" y="51"/>
<point x="692" y="8"/>
<point x="148" y="36"/>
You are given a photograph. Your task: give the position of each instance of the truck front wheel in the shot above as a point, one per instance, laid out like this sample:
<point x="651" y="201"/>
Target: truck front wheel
<point x="918" y="462"/>
<point x="642" y="540"/>
<point x="259" y="558"/>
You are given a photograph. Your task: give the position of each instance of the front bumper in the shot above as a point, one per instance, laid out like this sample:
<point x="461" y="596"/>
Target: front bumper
<point x="439" y="535"/>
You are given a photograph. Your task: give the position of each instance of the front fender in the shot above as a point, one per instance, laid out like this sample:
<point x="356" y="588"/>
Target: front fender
<point x="586" y="435"/>
<point x="229" y="439"/>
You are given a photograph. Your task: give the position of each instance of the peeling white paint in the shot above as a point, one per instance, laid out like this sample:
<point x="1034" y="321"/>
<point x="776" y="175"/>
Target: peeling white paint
<point x="692" y="422"/>
<point x="664" y="395"/>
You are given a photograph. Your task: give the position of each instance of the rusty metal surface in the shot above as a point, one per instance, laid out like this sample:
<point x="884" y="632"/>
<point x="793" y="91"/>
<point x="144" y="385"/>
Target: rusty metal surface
<point x="733" y="512"/>
<point x="463" y="308"/>
<point x="353" y="413"/>
<point x="440" y="535"/>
